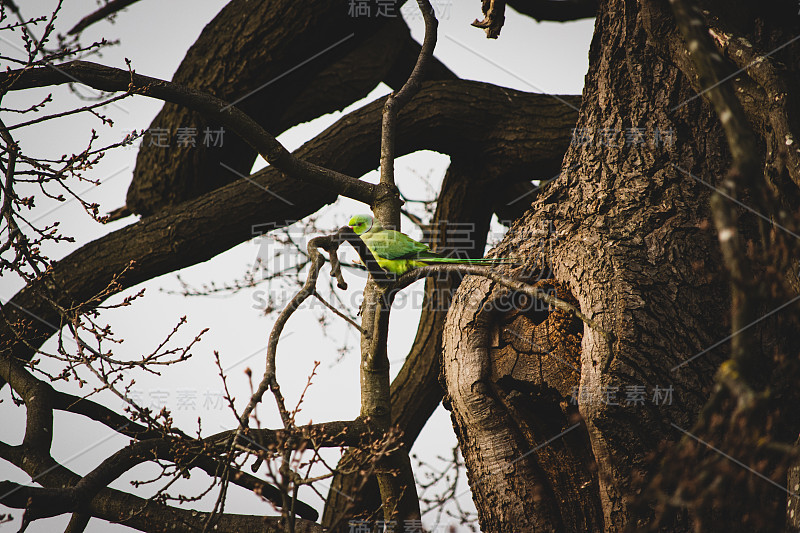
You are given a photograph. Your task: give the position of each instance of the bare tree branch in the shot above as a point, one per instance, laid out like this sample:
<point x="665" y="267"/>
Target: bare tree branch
<point x="113" y="6"/>
<point x="115" y="506"/>
<point x="395" y="477"/>
<point x="394" y="103"/>
<point x="184" y="451"/>
<point x="291" y="62"/>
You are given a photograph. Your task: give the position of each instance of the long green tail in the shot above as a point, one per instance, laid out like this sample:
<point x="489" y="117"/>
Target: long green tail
<point x="485" y="261"/>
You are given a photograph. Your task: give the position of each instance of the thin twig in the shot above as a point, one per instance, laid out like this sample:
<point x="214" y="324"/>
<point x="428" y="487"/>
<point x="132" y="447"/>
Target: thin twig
<point x="338" y="313"/>
<point x="107" y="10"/>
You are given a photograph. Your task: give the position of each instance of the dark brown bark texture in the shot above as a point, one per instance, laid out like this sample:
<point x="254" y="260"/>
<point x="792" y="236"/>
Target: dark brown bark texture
<point x="635" y="247"/>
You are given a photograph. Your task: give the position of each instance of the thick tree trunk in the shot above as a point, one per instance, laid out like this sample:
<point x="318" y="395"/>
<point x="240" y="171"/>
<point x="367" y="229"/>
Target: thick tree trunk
<point x="634" y="246"/>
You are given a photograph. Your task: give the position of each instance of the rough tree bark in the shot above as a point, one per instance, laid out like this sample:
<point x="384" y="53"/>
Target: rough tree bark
<point x="635" y="247"/>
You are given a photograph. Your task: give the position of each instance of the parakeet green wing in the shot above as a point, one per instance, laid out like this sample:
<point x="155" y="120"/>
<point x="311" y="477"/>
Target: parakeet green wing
<point x="390" y="244"/>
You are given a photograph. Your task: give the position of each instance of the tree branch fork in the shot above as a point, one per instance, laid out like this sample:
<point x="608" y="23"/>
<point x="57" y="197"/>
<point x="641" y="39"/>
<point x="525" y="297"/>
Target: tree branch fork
<point x="389" y="285"/>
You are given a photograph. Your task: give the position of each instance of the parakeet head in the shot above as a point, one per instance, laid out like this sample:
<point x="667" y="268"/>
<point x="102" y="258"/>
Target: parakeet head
<point x="360" y="223"/>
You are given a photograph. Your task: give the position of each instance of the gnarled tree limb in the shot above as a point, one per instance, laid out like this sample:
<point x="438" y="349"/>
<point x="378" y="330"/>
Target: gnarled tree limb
<point x="518" y="136"/>
<point x="286" y="63"/>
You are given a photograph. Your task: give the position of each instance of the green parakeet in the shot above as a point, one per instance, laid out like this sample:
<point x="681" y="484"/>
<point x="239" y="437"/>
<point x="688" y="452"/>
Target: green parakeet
<point x="398" y="253"/>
